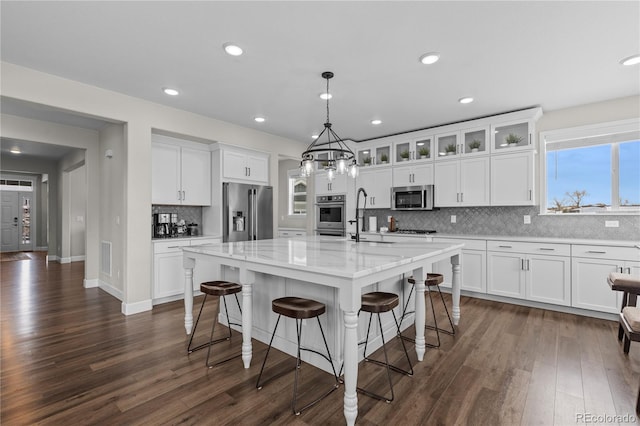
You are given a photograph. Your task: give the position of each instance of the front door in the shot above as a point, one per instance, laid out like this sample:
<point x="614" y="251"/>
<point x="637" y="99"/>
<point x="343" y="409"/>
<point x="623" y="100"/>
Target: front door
<point x="10" y="226"/>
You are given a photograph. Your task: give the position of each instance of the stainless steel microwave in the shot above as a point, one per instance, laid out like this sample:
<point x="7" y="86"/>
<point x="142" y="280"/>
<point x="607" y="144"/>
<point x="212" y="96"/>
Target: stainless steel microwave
<point x="412" y="197"/>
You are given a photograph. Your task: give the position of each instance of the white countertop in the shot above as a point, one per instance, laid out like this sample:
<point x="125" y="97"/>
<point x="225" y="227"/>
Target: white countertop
<point x="335" y="256"/>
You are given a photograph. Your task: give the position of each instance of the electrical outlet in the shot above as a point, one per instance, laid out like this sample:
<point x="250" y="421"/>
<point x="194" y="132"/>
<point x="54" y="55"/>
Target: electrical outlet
<point x="611" y="223"/>
<point x="527" y="219"/>
<point x="453" y="218"/>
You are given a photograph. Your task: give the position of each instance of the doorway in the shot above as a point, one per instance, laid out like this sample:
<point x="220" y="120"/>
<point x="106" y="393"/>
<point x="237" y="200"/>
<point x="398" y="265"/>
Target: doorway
<point x="17" y="229"/>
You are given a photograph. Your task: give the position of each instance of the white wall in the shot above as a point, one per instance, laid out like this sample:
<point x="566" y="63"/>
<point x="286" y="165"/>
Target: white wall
<point x="140" y="117"/>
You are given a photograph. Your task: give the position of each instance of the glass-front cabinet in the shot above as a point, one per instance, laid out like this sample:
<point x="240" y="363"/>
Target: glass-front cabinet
<point x="469" y="142"/>
<point x="372" y="155"/>
<point x="510" y="136"/>
<point x="420" y="149"/>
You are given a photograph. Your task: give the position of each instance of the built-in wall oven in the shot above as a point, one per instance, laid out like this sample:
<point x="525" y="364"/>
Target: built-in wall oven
<point x="330" y="215"/>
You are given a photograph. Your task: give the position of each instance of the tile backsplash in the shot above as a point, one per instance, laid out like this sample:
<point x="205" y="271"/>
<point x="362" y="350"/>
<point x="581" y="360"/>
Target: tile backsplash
<point x="509" y="221"/>
<point x="190" y="214"/>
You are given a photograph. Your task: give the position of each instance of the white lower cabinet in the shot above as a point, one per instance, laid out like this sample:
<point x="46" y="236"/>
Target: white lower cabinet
<point x="168" y="273"/>
<point x="474" y="265"/>
<point x="590" y="267"/>
<point x="532" y="271"/>
<point x="288" y="233"/>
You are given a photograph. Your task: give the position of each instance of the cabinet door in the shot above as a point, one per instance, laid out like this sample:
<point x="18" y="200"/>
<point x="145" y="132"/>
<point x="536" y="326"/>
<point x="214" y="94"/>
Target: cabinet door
<point x="589" y="288"/>
<point x="474" y="182"/>
<point x="446" y="176"/>
<point x="168" y="279"/>
<point x="165" y="174"/>
<point x="403" y="176"/>
<point x="505" y="276"/>
<point x="632" y="268"/>
<point x="258" y="168"/>
<point x="549" y="279"/>
<point x="423" y="174"/>
<point x="234" y="165"/>
<point x="377" y="183"/>
<point x="196" y="177"/>
<point x="473" y="274"/>
<point x="512" y="179"/>
<point x="325" y="186"/>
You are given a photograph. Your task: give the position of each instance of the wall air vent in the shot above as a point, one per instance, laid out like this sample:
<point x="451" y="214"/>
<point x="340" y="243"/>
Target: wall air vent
<point x="105" y="257"/>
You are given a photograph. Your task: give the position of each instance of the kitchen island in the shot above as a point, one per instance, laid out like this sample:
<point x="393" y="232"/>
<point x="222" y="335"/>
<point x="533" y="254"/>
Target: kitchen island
<point x="342" y="268"/>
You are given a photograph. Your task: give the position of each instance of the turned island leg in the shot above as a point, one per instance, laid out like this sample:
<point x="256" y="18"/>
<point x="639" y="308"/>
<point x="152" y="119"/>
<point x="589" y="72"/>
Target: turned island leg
<point x="455" y="288"/>
<point x="350" y="366"/>
<point x="420" y="313"/>
<point x="188" y="264"/>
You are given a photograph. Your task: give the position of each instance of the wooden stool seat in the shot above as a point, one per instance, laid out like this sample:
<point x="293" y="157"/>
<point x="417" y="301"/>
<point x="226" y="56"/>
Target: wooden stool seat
<point x="431" y="280"/>
<point x="379" y="301"/>
<point x="220" y="288"/>
<point x="297" y="307"/>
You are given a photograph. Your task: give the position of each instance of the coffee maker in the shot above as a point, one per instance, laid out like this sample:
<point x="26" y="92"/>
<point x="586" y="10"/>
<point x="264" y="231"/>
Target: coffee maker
<point x="161" y="225"/>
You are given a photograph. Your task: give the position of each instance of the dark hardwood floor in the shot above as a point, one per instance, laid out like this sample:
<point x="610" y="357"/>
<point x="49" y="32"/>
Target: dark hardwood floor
<point x="70" y="357"/>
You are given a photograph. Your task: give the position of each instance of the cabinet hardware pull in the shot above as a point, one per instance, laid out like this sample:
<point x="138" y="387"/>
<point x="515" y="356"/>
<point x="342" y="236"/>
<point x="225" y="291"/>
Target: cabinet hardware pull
<point x="179" y="196"/>
<point x="522" y="264"/>
<point x="530" y="195"/>
<point x="174" y="246"/>
<point x="528" y="269"/>
<point x="628" y="270"/>
<point x="596" y="252"/>
<point x="462" y="197"/>
<point x="249" y="168"/>
<point x="505" y="246"/>
<point x="546" y="249"/>
<point x="184" y="196"/>
<point x="620" y="269"/>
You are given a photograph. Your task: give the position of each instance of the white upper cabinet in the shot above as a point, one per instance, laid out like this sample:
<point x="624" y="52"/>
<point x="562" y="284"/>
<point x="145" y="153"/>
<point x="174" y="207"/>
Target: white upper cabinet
<point x="417" y="174"/>
<point x="373" y="154"/>
<point x="463" y="143"/>
<point x="415" y="149"/>
<point x="512" y="179"/>
<point x="180" y="175"/>
<point x="377" y="184"/>
<point x="325" y="186"/>
<point x="512" y="136"/>
<point x="245" y="166"/>
<point x="462" y="182"/>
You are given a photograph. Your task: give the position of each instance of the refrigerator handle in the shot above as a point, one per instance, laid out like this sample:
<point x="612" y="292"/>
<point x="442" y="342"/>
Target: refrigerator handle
<point x="251" y="214"/>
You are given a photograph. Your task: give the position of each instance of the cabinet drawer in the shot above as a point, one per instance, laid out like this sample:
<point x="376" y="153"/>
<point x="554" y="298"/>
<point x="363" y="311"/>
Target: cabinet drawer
<point x="169" y="246"/>
<point x="605" y="252"/>
<point x="530" y="248"/>
<point x="468" y="244"/>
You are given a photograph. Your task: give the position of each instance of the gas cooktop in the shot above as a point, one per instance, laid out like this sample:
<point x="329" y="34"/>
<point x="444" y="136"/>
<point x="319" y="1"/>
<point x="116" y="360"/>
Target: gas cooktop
<point x="415" y="231"/>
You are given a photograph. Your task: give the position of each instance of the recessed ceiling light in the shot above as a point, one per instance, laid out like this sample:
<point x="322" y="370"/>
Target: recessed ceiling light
<point x="232" y="49"/>
<point x="376" y="122"/>
<point x="314" y="136"/>
<point x="259" y="119"/>
<point x="466" y="100"/>
<point x="171" y="92"/>
<point x="15" y="151"/>
<point x="631" y="60"/>
<point x="325" y="96"/>
<point x="430" y="58"/>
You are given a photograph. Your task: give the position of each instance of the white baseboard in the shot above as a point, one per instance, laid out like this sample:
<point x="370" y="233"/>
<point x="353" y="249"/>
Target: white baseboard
<point x="78" y="258"/>
<point x="52" y="258"/>
<point x="64" y="260"/>
<point x="115" y="292"/>
<point x="43" y="248"/>
<point x="137" y="307"/>
<point x="90" y="283"/>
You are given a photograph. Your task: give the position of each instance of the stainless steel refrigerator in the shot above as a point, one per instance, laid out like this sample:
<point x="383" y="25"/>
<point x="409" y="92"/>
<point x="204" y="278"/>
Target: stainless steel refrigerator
<point x="247" y="213"/>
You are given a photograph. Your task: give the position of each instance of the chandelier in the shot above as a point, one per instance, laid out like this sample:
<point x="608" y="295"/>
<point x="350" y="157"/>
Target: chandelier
<point x="333" y="153"/>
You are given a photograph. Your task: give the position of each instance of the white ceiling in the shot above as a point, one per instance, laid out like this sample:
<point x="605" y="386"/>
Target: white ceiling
<point x="507" y="55"/>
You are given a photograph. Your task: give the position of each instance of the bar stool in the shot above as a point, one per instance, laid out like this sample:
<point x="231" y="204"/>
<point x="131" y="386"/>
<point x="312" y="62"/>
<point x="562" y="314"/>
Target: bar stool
<point x="218" y="289"/>
<point x="630" y="286"/>
<point x="378" y="302"/>
<point x="299" y="309"/>
<point x="432" y="280"/>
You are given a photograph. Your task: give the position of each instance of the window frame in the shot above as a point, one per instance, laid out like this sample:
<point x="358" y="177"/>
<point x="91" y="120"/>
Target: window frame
<point x="295" y="174"/>
<point x="600" y="130"/>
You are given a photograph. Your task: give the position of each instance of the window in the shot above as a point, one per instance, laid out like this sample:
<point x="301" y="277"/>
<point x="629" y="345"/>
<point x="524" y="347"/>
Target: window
<point x="297" y="193"/>
<point x="592" y="169"/>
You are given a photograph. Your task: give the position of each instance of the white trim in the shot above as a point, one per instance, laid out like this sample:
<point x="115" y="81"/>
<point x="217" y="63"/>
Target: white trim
<point x="108" y="288"/>
<point x="52" y="258"/>
<point x="90" y="283"/>
<point x="41" y="248"/>
<point x="78" y="258"/>
<point x="64" y="260"/>
<point x="137" y="307"/>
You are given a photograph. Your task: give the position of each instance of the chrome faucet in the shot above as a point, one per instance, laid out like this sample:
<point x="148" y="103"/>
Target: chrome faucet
<point x="358" y="212"/>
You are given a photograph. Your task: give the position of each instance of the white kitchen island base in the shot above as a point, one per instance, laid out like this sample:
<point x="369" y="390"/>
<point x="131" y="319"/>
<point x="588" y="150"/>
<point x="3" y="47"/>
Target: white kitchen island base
<point x="340" y="268"/>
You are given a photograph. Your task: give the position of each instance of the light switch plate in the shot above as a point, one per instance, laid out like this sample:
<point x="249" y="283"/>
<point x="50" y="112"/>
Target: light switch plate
<point x="611" y="223"/>
<point x="453" y="218"/>
<point x="527" y="219"/>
